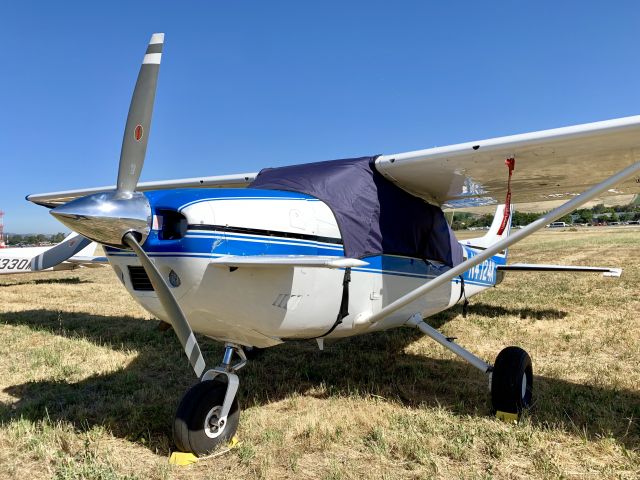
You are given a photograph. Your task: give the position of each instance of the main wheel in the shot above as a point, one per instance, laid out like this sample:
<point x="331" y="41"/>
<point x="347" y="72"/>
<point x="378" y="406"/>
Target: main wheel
<point x="196" y="428"/>
<point x="512" y="381"/>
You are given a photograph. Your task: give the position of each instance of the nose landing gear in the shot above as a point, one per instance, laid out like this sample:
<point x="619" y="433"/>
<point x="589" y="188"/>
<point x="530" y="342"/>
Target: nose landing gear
<point x="209" y="413"/>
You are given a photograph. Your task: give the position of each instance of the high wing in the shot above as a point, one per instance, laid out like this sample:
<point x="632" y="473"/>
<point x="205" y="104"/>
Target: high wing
<point x="555" y="164"/>
<point x="550" y="165"/>
<point x="53" y="199"/>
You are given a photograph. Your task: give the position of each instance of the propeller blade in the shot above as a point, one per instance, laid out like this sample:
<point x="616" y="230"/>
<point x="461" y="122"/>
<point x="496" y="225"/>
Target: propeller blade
<point x="170" y="305"/>
<point x="59" y="253"/>
<point x="136" y="132"/>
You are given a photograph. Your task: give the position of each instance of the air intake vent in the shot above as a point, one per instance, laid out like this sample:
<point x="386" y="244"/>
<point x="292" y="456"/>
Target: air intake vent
<point x="139" y="279"/>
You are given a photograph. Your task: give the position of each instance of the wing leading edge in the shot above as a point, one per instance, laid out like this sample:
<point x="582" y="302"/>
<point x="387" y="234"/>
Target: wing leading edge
<point x="240" y="180"/>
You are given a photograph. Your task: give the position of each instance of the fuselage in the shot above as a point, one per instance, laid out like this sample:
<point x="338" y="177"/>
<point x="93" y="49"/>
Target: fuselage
<point x="18" y="259"/>
<point x="265" y="306"/>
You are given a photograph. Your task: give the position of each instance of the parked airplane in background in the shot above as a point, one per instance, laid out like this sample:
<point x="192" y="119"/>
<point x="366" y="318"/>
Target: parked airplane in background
<point x="330" y="249"/>
<point x="73" y="252"/>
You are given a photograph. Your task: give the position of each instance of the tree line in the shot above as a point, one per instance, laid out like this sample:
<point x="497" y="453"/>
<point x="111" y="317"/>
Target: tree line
<point x="599" y="214"/>
<point x="14" y="239"/>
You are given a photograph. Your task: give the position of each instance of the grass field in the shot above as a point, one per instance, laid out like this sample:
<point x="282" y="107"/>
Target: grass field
<point x="89" y="385"/>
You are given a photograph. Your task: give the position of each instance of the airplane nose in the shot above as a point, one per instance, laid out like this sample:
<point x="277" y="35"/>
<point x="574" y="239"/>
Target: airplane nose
<point x="106" y="217"/>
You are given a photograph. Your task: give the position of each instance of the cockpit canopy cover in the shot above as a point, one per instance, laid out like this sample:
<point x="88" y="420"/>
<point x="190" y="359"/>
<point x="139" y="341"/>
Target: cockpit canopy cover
<point x="374" y="216"/>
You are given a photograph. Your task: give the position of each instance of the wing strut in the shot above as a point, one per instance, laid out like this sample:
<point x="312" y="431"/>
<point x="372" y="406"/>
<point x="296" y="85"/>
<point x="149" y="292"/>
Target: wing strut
<point x="507" y="242"/>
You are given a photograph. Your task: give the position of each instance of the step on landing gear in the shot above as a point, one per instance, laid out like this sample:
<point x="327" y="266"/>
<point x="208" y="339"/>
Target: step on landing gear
<point x="208" y="414"/>
<point x="510" y="379"/>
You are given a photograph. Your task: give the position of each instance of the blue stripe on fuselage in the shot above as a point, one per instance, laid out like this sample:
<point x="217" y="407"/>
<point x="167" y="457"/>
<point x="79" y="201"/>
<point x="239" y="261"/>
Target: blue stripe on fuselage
<point x="211" y="244"/>
<point x="180" y="198"/>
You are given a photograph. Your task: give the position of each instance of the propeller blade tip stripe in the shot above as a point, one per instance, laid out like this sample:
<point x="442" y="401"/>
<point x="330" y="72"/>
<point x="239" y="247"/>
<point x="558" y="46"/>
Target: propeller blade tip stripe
<point x="191" y="342"/>
<point x="156" y="38"/>
<point x="152" y="58"/>
<point x="199" y="366"/>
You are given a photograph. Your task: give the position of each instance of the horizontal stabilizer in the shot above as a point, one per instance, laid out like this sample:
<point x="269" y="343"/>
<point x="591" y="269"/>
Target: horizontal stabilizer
<point x="287" y="261"/>
<point x="532" y="267"/>
<point x="88" y="262"/>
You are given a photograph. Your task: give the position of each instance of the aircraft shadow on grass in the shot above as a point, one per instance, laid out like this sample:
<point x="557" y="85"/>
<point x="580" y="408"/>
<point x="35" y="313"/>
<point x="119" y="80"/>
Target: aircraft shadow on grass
<point x="495" y="311"/>
<point x="47" y="281"/>
<point x="138" y="402"/>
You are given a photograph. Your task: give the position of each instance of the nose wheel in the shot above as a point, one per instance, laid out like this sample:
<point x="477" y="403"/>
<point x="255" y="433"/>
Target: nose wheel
<point x="199" y="427"/>
<point x="208" y="414"/>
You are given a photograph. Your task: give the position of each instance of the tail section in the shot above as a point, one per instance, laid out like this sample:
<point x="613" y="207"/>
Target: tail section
<point x="88" y="251"/>
<point x="500" y="228"/>
<point x="52" y="256"/>
<point x="486" y="274"/>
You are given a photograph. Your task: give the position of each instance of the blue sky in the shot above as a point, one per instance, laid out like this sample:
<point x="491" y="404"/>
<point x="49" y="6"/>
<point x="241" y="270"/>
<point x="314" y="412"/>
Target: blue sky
<point x="249" y="84"/>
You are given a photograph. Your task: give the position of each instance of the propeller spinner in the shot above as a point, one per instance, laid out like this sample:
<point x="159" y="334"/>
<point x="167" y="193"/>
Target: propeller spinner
<point x="122" y="218"/>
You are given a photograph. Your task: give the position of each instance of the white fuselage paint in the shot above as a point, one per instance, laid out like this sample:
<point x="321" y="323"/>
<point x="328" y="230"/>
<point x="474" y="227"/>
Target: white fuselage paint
<point x="19" y="260"/>
<point x="265" y="306"/>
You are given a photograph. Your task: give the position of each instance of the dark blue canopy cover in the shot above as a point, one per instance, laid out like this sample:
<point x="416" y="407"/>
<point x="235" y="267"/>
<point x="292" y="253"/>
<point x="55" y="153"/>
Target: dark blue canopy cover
<point x="374" y="215"/>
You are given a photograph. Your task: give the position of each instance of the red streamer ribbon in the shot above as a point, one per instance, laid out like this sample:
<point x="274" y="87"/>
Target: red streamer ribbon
<point x="511" y="164"/>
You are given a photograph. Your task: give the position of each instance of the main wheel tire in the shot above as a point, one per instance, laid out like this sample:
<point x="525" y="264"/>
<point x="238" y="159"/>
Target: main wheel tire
<point x="512" y="381"/>
<point x="193" y="430"/>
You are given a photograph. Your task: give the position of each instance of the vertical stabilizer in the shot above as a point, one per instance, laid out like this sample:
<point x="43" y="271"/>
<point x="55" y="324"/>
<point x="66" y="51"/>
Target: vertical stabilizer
<point x="88" y="251"/>
<point x="500" y="228"/>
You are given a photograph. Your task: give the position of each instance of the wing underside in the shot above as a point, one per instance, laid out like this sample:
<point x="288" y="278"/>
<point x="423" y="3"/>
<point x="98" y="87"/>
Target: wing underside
<point x="550" y="165"/>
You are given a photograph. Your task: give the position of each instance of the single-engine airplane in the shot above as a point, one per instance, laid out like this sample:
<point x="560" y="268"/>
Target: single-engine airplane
<point x="330" y="249"/>
<point x="73" y="252"/>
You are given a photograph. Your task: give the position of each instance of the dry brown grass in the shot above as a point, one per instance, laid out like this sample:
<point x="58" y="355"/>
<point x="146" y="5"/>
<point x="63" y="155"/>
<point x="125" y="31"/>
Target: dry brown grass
<point x="88" y="385"/>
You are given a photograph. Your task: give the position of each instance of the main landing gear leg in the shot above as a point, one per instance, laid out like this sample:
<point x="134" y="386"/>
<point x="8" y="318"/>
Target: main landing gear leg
<point x="510" y="378"/>
<point x="208" y="413"/>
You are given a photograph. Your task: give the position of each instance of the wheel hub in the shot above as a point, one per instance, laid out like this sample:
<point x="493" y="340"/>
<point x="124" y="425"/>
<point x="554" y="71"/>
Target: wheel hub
<point x="213" y="425"/>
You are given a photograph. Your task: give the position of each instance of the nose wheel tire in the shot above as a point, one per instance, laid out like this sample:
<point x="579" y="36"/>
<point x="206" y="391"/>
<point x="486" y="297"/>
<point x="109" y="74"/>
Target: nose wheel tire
<point x="197" y="427"/>
<point x="512" y="381"/>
